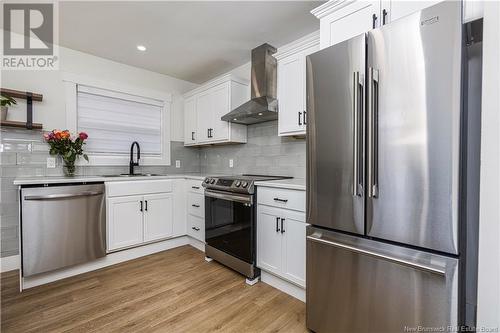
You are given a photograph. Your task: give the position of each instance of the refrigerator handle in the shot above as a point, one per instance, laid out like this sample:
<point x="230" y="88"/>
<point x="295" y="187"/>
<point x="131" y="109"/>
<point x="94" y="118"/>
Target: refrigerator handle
<point x="357" y="110"/>
<point x="373" y="85"/>
<point x="422" y="267"/>
<point x="355" y="121"/>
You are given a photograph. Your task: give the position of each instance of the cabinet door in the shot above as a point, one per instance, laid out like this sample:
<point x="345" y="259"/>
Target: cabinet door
<point x="124" y="222"/>
<point x="190" y="121"/>
<point x="158" y="216"/>
<point x="269" y="239"/>
<point x="397" y="9"/>
<point x="291" y="87"/>
<point x="203" y="116"/>
<point x="294" y="248"/>
<point x="220" y="104"/>
<point x="349" y="21"/>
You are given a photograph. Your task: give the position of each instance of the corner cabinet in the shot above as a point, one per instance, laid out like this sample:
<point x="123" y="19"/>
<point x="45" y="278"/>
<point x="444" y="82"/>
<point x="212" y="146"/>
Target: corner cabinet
<point x="292" y="116"/>
<point x="342" y="20"/>
<point x="204" y="107"/>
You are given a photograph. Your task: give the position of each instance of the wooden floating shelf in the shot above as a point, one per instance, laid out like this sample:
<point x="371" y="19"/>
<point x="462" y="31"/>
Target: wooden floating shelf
<point x="29" y="97"/>
<point x="18" y="124"/>
<point x="21" y="94"/>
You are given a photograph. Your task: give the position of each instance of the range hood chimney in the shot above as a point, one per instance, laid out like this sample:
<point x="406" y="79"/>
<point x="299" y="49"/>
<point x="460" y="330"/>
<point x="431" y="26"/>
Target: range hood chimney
<point x="263" y="106"/>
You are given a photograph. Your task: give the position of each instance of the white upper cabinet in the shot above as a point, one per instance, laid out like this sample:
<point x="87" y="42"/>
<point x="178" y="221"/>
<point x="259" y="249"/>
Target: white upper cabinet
<point x="393" y="10"/>
<point x="190" y="122"/>
<point x="204" y="107"/>
<point x="341" y="20"/>
<point x="292" y="117"/>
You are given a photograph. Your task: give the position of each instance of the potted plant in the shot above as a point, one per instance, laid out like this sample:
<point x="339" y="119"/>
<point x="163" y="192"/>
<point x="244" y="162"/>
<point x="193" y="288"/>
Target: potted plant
<point x="5" y="102"/>
<point x="69" y="147"/>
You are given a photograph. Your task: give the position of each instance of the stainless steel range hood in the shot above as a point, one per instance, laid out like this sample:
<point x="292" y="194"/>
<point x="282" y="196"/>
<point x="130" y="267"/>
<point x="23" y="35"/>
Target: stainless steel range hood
<point x="263" y="106"/>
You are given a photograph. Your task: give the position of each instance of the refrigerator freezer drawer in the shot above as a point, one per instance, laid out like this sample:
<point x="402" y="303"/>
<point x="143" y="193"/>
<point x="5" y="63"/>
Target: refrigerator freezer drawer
<point x="358" y="285"/>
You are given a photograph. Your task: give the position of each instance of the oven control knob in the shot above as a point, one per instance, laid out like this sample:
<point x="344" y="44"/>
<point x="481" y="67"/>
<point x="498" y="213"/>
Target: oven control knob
<point x="238" y="183"/>
<point x="212" y="181"/>
<point x="244" y="184"/>
<point x="207" y="180"/>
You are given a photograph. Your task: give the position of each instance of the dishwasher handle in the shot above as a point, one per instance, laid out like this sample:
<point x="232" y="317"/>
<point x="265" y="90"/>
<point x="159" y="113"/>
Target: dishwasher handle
<point x="63" y="195"/>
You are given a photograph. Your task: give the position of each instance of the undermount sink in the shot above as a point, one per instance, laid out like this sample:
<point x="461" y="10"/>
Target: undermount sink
<point x="134" y="175"/>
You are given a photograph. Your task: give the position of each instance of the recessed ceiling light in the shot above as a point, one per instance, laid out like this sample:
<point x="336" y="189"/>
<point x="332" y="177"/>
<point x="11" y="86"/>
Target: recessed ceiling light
<point x="260" y="113"/>
<point x="235" y="119"/>
<point x="141" y="47"/>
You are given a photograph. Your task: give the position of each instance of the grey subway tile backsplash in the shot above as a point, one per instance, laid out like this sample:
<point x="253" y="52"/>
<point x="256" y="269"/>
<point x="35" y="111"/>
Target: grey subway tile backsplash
<point x="24" y="154"/>
<point x="264" y="153"/>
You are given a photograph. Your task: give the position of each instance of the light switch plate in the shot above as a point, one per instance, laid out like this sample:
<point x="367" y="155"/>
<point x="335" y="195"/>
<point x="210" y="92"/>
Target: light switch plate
<point x="177" y="163"/>
<point x="231" y="163"/>
<point x="51" y="162"/>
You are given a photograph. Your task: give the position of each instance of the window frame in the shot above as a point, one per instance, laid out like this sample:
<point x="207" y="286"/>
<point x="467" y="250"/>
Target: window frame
<point x="71" y="82"/>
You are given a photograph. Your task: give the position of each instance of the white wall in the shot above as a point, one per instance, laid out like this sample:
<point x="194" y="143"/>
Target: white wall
<point x="489" y="224"/>
<point x="51" y="112"/>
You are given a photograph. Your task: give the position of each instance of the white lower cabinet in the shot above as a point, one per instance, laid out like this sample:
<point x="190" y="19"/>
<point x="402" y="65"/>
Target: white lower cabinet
<point x="158" y="219"/>
<point x="195" y="211"/>
<point x="125" y="225"/>
<point x="281" y="243"/>
<point x="135" y="217"/>
<point x="269" y="239"/>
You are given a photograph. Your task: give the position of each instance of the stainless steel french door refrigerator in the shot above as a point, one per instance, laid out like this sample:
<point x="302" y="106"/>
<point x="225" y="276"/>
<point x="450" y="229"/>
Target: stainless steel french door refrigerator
<point x="385" y="143"/>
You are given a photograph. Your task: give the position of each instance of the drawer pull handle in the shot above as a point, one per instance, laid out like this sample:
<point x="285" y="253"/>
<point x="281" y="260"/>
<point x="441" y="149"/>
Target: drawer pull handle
<point x="195" y="187"/>
<point x="197" y="206"/>
<point x="281" y="200"/>
<point x="196" y="228"/>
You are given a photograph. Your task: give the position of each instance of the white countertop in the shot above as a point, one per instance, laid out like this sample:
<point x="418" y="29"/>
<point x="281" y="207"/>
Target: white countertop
<point x="291" y="184"/>
<point x="87" y="179"/>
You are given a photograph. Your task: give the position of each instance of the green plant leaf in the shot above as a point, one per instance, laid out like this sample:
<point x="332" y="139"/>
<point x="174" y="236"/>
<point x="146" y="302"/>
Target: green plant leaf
<point x="86" y="157"/>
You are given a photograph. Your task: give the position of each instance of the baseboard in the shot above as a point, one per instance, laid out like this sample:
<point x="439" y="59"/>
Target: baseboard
<point x="10" y="263"/>
<point x="110" y="259"/>
<point x="197" y="244"/>
<point x="285" y="286"/>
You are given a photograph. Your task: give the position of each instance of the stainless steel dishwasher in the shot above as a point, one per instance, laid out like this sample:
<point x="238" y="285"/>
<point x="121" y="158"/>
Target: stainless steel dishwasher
<point x="61" y="226"/>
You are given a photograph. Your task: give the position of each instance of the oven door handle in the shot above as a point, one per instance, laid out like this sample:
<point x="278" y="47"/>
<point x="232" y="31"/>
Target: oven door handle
<point x="246" y="199"/>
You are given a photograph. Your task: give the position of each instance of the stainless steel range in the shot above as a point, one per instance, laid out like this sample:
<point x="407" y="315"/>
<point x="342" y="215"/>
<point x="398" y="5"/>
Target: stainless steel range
<point x="230" y="221"/>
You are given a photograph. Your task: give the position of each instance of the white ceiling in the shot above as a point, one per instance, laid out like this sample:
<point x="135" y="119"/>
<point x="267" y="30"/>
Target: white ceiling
<point x="193" y="41"/>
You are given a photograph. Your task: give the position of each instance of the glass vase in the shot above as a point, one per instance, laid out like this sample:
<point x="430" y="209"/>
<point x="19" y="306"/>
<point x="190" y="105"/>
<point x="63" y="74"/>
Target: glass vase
<point x="69" y="168"/>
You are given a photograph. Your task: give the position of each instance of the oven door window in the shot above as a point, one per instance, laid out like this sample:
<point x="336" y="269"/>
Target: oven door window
<point x="228" y="227"/>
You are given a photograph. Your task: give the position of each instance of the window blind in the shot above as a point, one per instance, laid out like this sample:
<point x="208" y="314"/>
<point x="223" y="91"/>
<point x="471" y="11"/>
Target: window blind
<point x="114" y="120"/>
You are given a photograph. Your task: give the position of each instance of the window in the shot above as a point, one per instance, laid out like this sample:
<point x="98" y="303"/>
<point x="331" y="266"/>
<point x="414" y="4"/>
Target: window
<point x="114" y="118"/>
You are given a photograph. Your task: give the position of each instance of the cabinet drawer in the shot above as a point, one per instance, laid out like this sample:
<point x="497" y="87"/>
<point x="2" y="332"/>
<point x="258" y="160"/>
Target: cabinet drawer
<point x="196" y="227"/>
<point x="194" y="186"/>
<point x="283" y="198"/>
<point x="196" y="204"/>
<point x="137" y="187"/>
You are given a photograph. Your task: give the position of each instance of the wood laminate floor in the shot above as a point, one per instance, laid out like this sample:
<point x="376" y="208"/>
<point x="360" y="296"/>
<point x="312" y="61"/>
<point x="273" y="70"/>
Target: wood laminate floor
<point x="171" y="291"/>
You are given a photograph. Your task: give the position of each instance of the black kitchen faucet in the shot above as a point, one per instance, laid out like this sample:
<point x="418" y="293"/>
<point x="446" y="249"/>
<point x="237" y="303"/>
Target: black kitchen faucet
<point x="132" y="163"/>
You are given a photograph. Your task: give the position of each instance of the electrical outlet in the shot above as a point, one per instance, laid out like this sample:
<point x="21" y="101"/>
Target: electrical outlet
<point x="231" y="163"/>
<point x="51" y="162"/>
<point x="177" y="163"/>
